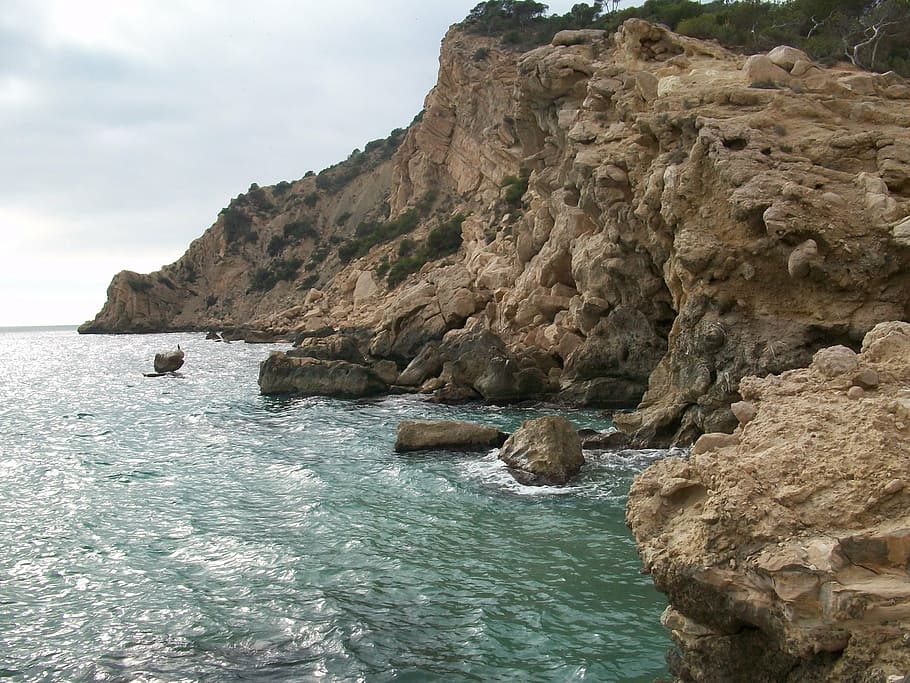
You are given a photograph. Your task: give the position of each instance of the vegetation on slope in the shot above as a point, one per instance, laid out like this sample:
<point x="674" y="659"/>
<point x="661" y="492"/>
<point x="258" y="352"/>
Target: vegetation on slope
<point x="871" y="34"/>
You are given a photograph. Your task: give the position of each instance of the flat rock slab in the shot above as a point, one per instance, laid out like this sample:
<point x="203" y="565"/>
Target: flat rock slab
<point x="422" y="435"/>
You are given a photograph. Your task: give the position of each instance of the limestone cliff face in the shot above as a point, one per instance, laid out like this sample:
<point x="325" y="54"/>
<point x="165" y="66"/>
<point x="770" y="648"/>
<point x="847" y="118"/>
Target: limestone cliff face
<point x="783" y="548"/>
<point x="689" y="217"/>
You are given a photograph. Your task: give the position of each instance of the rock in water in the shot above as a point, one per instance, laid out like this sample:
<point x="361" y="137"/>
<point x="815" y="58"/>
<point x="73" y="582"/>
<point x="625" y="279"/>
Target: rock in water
<point x="543" y="452"/>
<point x="417" y="435"/>
<point x="169" y="361"/>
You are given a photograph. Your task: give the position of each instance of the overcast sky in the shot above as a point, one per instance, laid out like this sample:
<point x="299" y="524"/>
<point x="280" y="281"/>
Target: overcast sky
<point x="126" y="125"/>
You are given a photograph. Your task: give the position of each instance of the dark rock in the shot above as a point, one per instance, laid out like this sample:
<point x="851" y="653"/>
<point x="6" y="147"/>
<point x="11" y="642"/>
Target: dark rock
<point x="416" y="435"/>
<point x="604" y="441"/>
<point x="212" y="335"/>
<point x="543" y="452"/>
<point x="284" y="374"/>
<point x="428" y="363"/>
<point x="169" y="361"/>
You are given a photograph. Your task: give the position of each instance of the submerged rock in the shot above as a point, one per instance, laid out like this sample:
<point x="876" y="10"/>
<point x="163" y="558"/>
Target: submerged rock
<point x="417" y="435"/>
<point x="543" y="452"/>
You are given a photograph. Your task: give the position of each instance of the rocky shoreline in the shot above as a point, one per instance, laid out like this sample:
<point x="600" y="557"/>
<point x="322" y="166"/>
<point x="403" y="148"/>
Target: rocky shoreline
<point x="784" y="547"/>
<point x="639" y="220"/>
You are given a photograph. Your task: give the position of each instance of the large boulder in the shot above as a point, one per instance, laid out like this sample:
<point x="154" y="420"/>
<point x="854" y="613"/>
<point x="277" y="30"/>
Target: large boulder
<point x="418" y="435"/>
<point x="281" y="373"/>
<point x="543" y="452"/>
<point x="169" y="361"/>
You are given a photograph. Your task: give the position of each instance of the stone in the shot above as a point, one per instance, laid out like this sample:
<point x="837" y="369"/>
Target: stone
<point x="835" y="360"/>
<point x="786" y="57"/>
<point x="745" y="411"/>
<point x="365" y="288"/>
<point x="887" y="341"/>
<point x="386" y="370"/>
<point x="543" y="452"/>
<point x="713" y="441"/>
<point x="169" y="361"/>
<point x="855" y="393"/>
<point x="866" y="379"/>
<point x="305" y="376"/>
<point x="800" y="261"/>
<point x="760" y="70"/>
<point x="577" y="37"/>
<point x="419" y="435"/>
<point x="604" y="441"/>
<point x="901" y="232"/>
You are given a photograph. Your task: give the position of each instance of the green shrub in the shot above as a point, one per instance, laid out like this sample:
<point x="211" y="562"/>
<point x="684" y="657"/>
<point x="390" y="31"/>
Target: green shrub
<point x="139" y="283"/>
<point x="382" y="267"/>
<point x="276" y="245"/>
<point x="405" y="247"/>
<point x="282" y="188"/>
<point x="312" y="198"/>
<point x="445" y="238"/>
<point x="404" y="267"/>
<point x="308" y="282"/>
<point x="343" y="218"/>
<point x="298" y="230"/>
<point x="516" y="186"/>
<point x="237" y="225"/>
<point x="264" y="279"/>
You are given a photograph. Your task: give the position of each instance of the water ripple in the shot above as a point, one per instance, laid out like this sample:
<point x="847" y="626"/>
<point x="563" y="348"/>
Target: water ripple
<point x="162" y="530"/>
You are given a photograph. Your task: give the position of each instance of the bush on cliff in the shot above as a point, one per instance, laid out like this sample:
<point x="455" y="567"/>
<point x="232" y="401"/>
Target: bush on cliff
<point x="265" y="279"/>
<point x="442" y="240"/>
<point x="870" y="33"/>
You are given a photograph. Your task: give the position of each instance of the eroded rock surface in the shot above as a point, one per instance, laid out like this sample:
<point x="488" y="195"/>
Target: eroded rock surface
<point x="784" y="549"/>
<point x="689" y="217"/>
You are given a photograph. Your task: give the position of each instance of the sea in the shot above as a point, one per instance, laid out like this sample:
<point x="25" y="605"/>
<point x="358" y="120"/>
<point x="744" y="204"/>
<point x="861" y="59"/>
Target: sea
<point x="187" y="528"/>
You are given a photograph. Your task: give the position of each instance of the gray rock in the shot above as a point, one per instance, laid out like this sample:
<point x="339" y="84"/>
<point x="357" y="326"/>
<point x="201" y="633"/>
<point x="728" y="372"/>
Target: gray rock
<point x="800" y="262"/>
<point x="281" y="373"/>
<point x="577" y="37"/>
<point x="543" y="452"/>
<point x="867" y="379"/>
<point x="835" y="360"/>
<point x="417" y="435"/>
<point x="169" y="361"/>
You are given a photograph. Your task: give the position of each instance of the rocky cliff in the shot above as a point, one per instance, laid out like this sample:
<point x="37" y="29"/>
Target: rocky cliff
<point x="644" y="219"/>
<point x="784" y="547"/>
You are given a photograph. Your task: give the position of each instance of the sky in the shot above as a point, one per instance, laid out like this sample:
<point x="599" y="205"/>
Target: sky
<point x="126" y="125"/>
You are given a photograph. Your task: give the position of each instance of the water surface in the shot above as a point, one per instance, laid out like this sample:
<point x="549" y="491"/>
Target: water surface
<point x="189" y="529"/>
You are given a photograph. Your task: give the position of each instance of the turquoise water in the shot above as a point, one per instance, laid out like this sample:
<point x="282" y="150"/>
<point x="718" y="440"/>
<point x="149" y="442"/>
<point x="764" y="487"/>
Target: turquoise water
<point x="168" y="529"/>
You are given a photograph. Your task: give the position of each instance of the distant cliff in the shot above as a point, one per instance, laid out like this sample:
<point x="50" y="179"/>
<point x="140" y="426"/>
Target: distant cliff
<point x="638" y="219"/>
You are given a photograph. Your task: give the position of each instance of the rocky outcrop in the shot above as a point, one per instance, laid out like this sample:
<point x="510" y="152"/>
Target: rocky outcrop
<point x="783" y="547"/>
<point x="169" y="361"/>
<point x="421" y="435"/>
<point x="543" y="452"/>
<point x="649" y="218"/>
<point x="282" y="373"/>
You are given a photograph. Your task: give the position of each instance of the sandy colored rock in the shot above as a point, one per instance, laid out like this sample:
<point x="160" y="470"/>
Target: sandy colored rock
<point x="417" y="435"/>
<point x="794" y="544"/>
<point x="543" y="451"/>
<point x="786" y="57"/>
